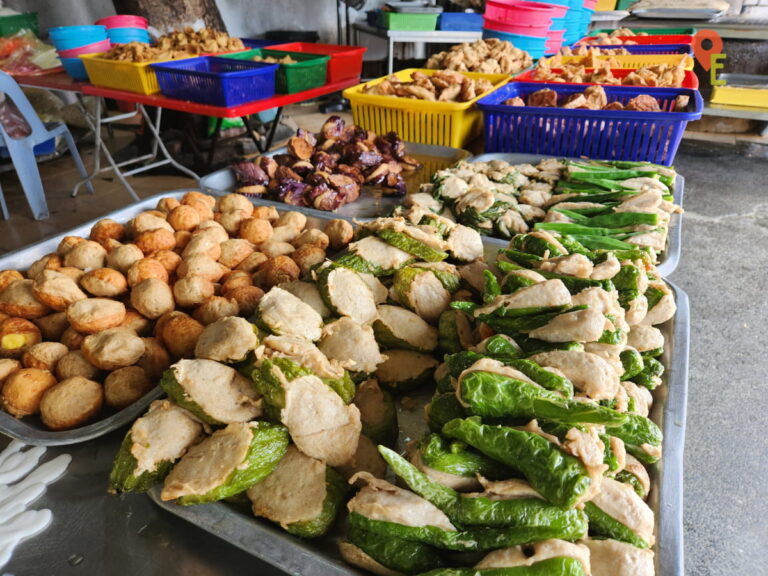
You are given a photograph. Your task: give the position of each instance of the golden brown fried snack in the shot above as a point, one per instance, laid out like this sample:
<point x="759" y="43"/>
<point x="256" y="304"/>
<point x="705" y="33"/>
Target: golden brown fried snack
<point x="234" y="251"/>
<point x="205" y="244"/>
<point x="201" y="265"/>
<point x="104" y="282"/>
<point x="152" y="298"/>
<point x="168" y="258"/>
<point x="123" y="257"/>
<point x="67" y="243"/>
<point x="52" y="326"/>
<point x="276" y="271"/>
<point x="149" y="221"/>
<point x="312" y="236"/>
<point x="48" y="262"/>
<point x="214" y="308"/>
<point x="167" y="204"/>
<point x="179" y="335"/>
<point x="71" y="338"/>
<point x="107" y="229"/>
<point x="340" y="233"/>
<point x="86" y="255"/>
<point x="71" y="403"/>
<point x="155" y="359"/>
<point x="247" y="298"/>
<point x="95" y="314"/>
<point x="194" y="196"/>
<point x="256" y="230"/>
<point x="192" y="291"/>
<point x="7" y="367"/>
<point x="233" y="202"/>
<point x="18" y="299"/>
<point x="17" y="335"/>
<point x="112" y="349"/>
<point x="252" y="262"/>
<point x="307" y="257"/>
<point x="8" y="277"/>
<point x="184" y="217"/>
<point x="57" y="290"/>
<point x="268" y="213"/>
<point x="136" y="322"/>
<point x="72" y="364"/>
<point x="144" y="269"/>
<point x="150" y="241"/>
<point x="126" y="385"/>
<point x="44" y="355"/>
<point x="24" y="389"/>
<point x="235" y="279"/>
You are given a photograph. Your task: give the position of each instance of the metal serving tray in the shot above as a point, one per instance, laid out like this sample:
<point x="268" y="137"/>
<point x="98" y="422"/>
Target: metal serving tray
<point x="320" y="557"/>
<point x="678" y="13"/>
<point x="669" y="258"/>
<point x="372" y="203"/>
<point x="30" y="430"/>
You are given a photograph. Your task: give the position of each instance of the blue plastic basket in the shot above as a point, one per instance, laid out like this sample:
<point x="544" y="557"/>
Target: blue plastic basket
<point x="599" y="134"/>
<point x="75" y="68"/>
<point x="216" y="81"/>
<point x="534" y="45"/>
<point x="252" y="43"/>
<point x="646" y="48"/>
<point x="460" y="21"/>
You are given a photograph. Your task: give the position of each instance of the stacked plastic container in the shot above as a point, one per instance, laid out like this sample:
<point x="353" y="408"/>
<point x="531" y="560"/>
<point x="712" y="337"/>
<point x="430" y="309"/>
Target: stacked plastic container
<point x="525" y="24"/>
<point x="73" y="41"/>
<point x="577" y="19"/>
<point x="125" y="28"/>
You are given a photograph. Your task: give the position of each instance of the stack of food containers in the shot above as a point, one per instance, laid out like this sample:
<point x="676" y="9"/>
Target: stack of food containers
<point x="124" y="28"/>
<point x="526" y="24"/>
<point x="73" y="41"/>
<point x="576" y="21"/>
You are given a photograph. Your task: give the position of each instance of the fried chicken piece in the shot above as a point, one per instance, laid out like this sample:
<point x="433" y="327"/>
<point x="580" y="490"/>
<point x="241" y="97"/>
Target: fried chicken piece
<point x="575" y="101"/>
<point x="468" y="90"/>
<point x="614" y="106"/>
<point x="596" y="98"/>
<point x="516" y="101"/>
<point x="417" y="92"/>
<point x="681" y="103"/>
<point x="482" y="86"/>
<point x="643" y="103"/>
<point x="450" y="93"/>
<point x="543" y="98"/>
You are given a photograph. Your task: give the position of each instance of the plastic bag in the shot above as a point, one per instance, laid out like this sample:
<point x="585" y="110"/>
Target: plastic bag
<point x="11" y="119"/>
<point x="25" y="53"/>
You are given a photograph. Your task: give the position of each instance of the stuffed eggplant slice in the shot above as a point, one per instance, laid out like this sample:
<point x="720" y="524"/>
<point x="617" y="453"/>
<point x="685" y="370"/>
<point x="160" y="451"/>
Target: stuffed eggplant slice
<point x="226" y="463"/>
<point x="151" y="447"/>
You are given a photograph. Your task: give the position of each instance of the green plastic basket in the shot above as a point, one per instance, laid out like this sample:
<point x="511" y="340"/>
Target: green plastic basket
<point x="308" y="72"/>
<point x="405" y="21"/>
<point x="10" y="25"/>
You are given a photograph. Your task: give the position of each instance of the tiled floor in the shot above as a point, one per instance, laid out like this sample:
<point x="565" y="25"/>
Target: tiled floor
<point x="59" y="177"/>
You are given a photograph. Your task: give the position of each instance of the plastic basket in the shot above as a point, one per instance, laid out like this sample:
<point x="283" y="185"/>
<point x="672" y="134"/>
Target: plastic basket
<point x="690" y="79"/>
<point x="118" y="75"/>
<point x="309" y="71"/>
<point x="252" y="43"/>
<point x="346" y="61"/>
<point x="645" y="49"/>
<point x="460" y="21"/>
<point x="424" y="122"/>
<point x="216" y="81"/>
<point x="651" y="31"/>
<point x="405" y="21"/>
<point x="74" y="68"/>
<point x="600" y="134"/>
<point x="10" y="25"/>
<point x="635" y="61"/>
<point x="645" y="40"/>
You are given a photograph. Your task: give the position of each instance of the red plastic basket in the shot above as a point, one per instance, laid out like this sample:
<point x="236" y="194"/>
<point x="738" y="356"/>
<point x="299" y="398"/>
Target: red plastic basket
<point x="346" y="61"/>
<point x="689" y="81"/>
<point x="646" y="40"/>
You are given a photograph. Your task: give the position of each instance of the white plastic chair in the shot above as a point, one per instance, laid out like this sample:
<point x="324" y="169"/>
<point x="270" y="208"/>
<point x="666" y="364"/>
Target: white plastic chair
<point x="22" y="154"/>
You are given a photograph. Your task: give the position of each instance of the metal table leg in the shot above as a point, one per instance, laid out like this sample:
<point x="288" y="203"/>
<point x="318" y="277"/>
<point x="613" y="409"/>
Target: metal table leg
<point x="158" y="143"/>
<point x="214" y="141"/>
<point x="390" y="55"/>
<point x="270" y="135"/>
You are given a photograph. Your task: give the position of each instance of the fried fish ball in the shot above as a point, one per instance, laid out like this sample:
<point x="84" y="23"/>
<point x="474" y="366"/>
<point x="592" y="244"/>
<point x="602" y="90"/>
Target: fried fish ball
<point x="201" y="265"/>
<point x="7" y="367"/>
<point x="144" y="269"/>
<point x="256" y="230"/>
<point x="107" y="229"/>
<point x="203" y="209"/>
<point x="24" y="389"/>
<point x="18" y="299"/>
<point x="57" y="290"/>
<point x="235" y="279"/>
<point x="168" y="258"/>
<point x="232" y="202"/>
<point x="52" y="326"/>
<point x="86" y="255"/>
<point x="247" y="298"/>
<point x="312" y="236"/>
<point x="340" y="233"/>
<point x="74" y="273"/>
<point x="251" y="263"/>
<point x="231" y="220"/>
<point x="146" y="221"/>
<point x="125" y="385"/>
<point x="285" y="233"/>
<point x="266" y="212"/>
<point x="136" y="322"/>
<point x="47" y="262"/>
<point x="104" y="282"/>
<point x="182" y="239"/>
<point x="295" y="220"/>
<point x="234" y="251"/>
<point x="74" y="363"/>
<point x="8" y="277"/>
<point x="155" y="359"/>
<point x="152" y="298"/>
<point x="71" y="338"/>
<point x="184" y="217"/>
<point x="214" y="308"/>
<point x="17" y="335"/>
<point x="273" y="248"/>
<point x="112" y="349"/>
<point x="207" y="244"/>
<point x="153" y="240"/>
<point x="212" y="227"/>
<point x="67" y="243"/>
<point x="195" y="196"/>
<point x="308" y="256"/>
<point x="111" y="244"/>
<point x="276" y="271"/>
<point x="95" y="314"/>
<point x="123" y="257"/>
<point x="71" y="403"/>
<point x="44" y="355"/>
<point x="192" y="291"/>
<point x="179" y="335"/>
<point x="167" y="204"/>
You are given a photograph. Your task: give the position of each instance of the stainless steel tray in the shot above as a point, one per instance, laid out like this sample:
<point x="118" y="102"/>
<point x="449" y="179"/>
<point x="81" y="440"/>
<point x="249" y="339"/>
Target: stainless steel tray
<point x="31" y="430"/>
<point x="372" y="203"/>
<point x="320" y="557"/>
<point x="678" y="13"/>
<point x="669" y="258"/>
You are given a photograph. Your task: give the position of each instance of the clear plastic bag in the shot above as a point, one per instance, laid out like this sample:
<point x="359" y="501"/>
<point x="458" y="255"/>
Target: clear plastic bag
<point x="25" y="53"/>
<point x="11" y="119"/>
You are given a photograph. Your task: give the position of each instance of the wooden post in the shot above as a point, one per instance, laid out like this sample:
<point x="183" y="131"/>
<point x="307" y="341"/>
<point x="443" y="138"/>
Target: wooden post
<point x="174" y="14"/>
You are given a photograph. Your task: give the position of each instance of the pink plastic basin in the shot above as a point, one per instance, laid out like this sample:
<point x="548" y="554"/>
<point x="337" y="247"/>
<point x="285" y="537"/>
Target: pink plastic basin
<point x="102" y="46"/>
<point x="559" y="11"/>
<point x="554" y="41"/>
<point x="519" y="12"/>
<point x="516" y="28"/>
<point x="123" y="21"/>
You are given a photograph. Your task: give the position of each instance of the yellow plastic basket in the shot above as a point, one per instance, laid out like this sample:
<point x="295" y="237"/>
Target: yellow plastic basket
<point x="635" y="61"/>
<point x="119" y="75"/>
<point x="421" y="121"/>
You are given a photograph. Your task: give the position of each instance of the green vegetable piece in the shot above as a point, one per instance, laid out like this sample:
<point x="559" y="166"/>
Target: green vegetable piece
<point x="513" y="282"/>
<point x="492" y="288"/>
<point x="480" y="511"/>
<point x="513" y="325"/>
<point x="464" y="305"/>
<point x="612" y="336"/>
<point x="454" y="331"/>
<point x="414" y="247"/>
<point x="378" y="414"/>
<point x="439" y="225"/>
<point x="543" y="377"/>
<point x="650" y="374"/>
<point x="122" y="478"/>
<point x="502" y="348"/>
<point x="602" y="524"/>
<point x="575" y="284"/>
<point x="534" y="245"/>
<point x="522" y="258"/>
<point x="559" y="477"/>
<point x="336" y="490"/>
<point x="405" y="370"/>
<point x="268" y="379"/>
<point x="359" y="264"/>
<point x="637" y="431"/>
<point x="627" y="477"/>
<point x="400" y="555"/>
<point x="474" y="219"/>
<point x="654" y="296"/>
<point x="458" y="459"/>
<point x="557" y="566"/>
<point x="344" y="386"/>
<point x="621" y="220"/>
<point x="532" y="346"/>
<point x="443" y="408"/>
<point x="628" y="278"/>
<point x="268" y="446"/>
<point x="460" y="361"/>
<point x="632" y="361"/>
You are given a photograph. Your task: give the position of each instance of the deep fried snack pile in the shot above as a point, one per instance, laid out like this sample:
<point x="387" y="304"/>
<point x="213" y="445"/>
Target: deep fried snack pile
<point x="599" y="72"/>
<point x="174" y="45"/>
<point x="442" y="86"/>
<point x="616" y="37"/>
<point x="491" y="56"/>
<point x="594" y="98"/>
<point x="326" y="170"/>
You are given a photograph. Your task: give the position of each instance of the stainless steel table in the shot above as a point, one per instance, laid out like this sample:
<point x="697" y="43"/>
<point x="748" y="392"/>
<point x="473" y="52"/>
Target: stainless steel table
<point x="408" y="36"/>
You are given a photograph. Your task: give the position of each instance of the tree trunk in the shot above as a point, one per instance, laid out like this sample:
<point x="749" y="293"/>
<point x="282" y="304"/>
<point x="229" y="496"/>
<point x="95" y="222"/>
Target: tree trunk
<point x="173" y="14"/>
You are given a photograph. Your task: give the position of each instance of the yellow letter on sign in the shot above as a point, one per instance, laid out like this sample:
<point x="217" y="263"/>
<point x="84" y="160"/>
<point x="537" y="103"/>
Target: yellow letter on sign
<point x="716" y="65"/>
